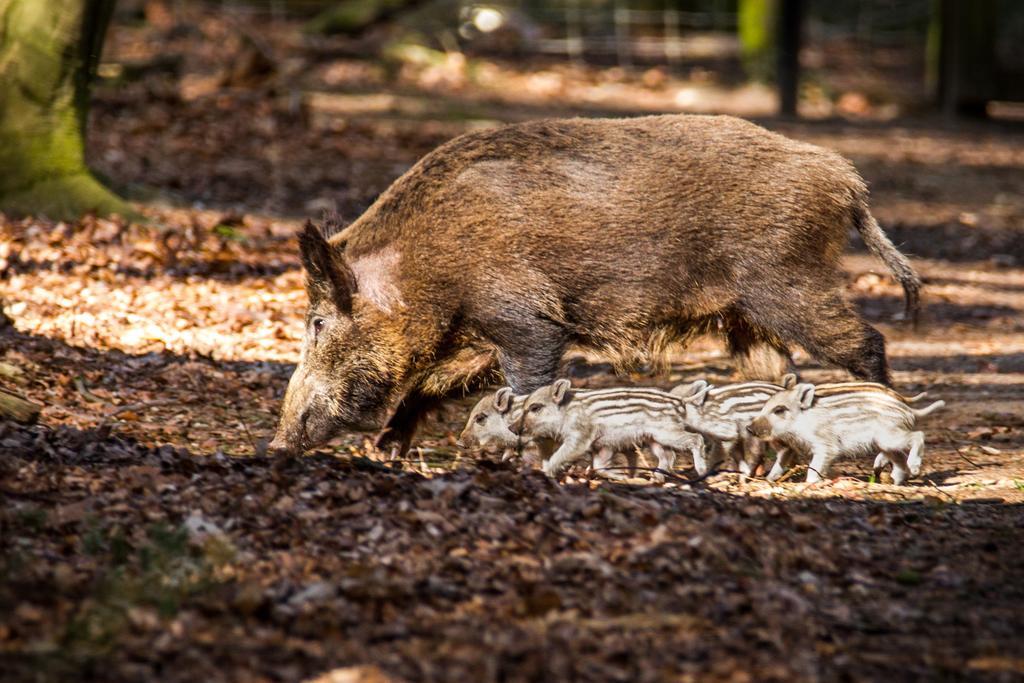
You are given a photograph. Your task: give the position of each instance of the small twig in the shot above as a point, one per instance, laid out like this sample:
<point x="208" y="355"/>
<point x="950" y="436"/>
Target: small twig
<point x="86" y="394"/>
<point x="671" y="475"/>
<point x="973" y="464"/>
<point x="788" y="474"/>
<point x="934" y="486"/>
<point x="134" y="407"/>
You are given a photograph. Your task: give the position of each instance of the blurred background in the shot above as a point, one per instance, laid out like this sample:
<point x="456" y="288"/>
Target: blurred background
<point x="225" y="123"/>
<point x="157" y="158"/>
<point x="293" y="106"/>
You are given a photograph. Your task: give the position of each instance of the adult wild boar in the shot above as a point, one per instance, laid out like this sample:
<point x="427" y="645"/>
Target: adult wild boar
<point x="502" y="248"/>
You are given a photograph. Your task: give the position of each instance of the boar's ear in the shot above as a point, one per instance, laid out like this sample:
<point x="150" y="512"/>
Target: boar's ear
<point x="560" y="391"/>
<point x="789" y="380"/>
<point x="805" y="394"/>
<point x="503" y="400"/>
<point x="331" y="223"/>
<point x="327" y="274"/>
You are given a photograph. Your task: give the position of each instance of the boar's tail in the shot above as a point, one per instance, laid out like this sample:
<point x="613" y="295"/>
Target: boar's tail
<point x="898" y="264"/>
<point x="928" y="410"/>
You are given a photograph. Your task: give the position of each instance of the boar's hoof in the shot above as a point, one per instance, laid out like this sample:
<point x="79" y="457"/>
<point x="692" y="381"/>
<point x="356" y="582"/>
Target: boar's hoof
<point x="395" y="445"/>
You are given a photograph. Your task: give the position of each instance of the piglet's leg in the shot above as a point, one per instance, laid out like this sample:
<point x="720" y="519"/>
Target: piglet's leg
<point x="602" y="463"/>
<point x="666" y="460"/>
<point x="749" y="454"/>
<point x="697" y="450"/>
<point x="709" y="458"/>
<point x="784" y="457"/>
<point x="899" y="467"/>
<point x="632" y="457"/>
<point x="881" y="460"/>
<point x="572" y="448"/>
<point x="821" y="461"/>
<point x="916" y="453"/>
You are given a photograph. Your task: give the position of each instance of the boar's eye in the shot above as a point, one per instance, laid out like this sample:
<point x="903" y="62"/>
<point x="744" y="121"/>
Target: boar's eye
<point x="535" y="408"/>
<point x="318" y="325"/>
<point x="481" y="418"/>
<point x="781" y="410"/>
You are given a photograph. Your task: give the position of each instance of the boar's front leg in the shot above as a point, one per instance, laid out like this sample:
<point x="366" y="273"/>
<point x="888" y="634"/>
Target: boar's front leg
<point x="754" y="355"/>
<point x="529" y="353"/>
<point x="396" y="437"/>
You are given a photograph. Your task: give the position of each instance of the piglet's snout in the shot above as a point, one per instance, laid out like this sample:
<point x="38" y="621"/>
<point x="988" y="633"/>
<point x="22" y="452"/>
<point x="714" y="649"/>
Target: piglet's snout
<point x="759" y="428"/>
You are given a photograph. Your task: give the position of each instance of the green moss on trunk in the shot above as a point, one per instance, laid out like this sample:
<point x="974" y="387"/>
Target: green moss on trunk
<point x="48" y="52"/>
<point x="351" y="17"/>
<point x="756" y="21"/>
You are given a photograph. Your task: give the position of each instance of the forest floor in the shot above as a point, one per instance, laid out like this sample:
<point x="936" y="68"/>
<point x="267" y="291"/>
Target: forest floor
<point x="146" y="534"/>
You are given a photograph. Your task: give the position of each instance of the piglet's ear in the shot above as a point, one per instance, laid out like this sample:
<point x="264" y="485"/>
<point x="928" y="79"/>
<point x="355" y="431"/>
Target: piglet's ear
<point x="701" y="396"/>
<point x="560" y="391"/>
<point x="328" y="276"/>
<point x="503" y="400"/>
<point x="805" y="394"/>
<point x="692" y="390"/>
<point x="789" y="380"/>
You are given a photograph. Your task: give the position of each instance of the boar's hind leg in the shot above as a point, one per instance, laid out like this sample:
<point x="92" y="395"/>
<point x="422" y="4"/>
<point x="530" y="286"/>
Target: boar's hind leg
<point x="828" y="328"/>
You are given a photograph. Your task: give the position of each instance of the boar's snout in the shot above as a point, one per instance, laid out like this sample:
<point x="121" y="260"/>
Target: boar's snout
<point x="292" y="435"/>
<point x="760" y="428"/>
<point x="305" y="420"/>
<point x="280" y="446"/>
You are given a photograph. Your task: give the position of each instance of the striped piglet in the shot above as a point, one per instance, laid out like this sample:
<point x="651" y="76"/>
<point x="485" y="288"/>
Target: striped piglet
<point x="609" y="420"/>
<point x="490" y="426"/>
<point x="722" y="415"/>
<point x="844" y="419"/>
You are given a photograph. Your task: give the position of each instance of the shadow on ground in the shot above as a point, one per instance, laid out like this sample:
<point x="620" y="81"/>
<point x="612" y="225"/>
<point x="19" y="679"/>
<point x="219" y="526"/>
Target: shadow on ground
<point x="485" y="573"/>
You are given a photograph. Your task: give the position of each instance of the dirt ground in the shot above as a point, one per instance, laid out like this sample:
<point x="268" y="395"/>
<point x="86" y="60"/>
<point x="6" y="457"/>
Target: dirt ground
<point x="146" y="535"/>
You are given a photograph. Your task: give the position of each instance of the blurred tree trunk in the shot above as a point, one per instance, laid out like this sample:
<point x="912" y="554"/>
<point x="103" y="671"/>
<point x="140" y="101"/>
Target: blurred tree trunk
<point x="353" y="17"/>
<point x="770" y="37"/>
<point x="49" y="50"/>
<point x="756" y="22"/>
<point x="787" y="70"/>
<point x="966" y="58"/>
